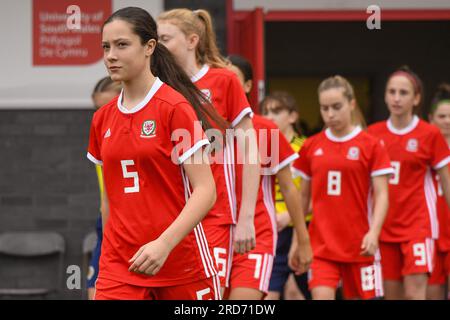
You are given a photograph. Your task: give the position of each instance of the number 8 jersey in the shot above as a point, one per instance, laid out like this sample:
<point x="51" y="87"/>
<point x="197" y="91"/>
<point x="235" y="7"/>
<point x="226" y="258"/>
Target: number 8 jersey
<point x="146" y="184"/>
<point x="340" y="170"/>
<point x="414" y="152"/>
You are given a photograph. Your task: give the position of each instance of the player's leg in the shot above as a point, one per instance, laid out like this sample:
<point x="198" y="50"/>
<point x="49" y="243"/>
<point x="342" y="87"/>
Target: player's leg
<point x="291" y="289"/>
<point x="391" y="262"/>
<point x="438" y="278"/>
<point x="415" y="286"/>
<point x="281" y="270"/>
<point x="245" y="294"/>
<point x="205" y="289"/>
<point x="94" y="262"/>
<point x="324" y="276"/>
<point x="250" y="276"/>
<point x="418" y="265"/>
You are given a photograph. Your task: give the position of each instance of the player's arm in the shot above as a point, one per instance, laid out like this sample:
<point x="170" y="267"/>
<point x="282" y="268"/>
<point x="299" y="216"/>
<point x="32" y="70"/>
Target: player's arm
<point x="244" y="239"/>
<point x="305" y="196"/>
<point x="369" y="244"/>
<point x="104" y="209"/>
<point x="150" y="258"/>
<point x="444" y="177"/>
<point x="292" y="198"/>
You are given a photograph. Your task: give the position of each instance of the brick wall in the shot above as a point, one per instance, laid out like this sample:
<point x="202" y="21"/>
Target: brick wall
<point x="46" y="181"/>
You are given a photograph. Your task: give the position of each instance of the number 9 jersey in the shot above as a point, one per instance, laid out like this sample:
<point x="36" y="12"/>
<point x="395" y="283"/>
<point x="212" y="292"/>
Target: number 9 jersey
<point x="414" y="151"/>
<point x="340" y="170"/>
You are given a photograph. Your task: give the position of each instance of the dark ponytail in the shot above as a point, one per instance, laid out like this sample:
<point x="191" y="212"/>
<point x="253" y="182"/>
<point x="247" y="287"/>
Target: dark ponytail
<point x="164" y="66"/>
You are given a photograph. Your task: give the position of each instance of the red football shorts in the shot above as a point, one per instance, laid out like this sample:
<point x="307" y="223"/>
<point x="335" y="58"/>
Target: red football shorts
<point x="406" y="258"/>
<point x="220" y="240"/>
<point x="206" y="289"/>
<point x="252" y="270"/>
<point x="359" y="280"/>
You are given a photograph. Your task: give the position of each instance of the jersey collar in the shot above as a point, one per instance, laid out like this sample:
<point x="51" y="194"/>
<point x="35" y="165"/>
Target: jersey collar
<point x="204" y="70"/>
<point x="348" y="137"/>
<point x="410" y="127"/>
<point x="155" y="87"/>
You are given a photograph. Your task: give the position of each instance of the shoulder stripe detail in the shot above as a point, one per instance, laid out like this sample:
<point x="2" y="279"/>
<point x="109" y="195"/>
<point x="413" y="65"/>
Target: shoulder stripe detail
<point x="192" y="150"/>
<point x="382" y="172"/>
<point x="442" y="163"/>
<point x="94" y="160"/>
<point x="241" y="115"/>
<point x="285" y="162"/>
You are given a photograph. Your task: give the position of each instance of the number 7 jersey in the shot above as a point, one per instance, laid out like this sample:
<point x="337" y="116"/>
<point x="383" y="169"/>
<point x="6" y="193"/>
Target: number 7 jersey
<point x="340" y="170"/>
<point x="414" y="152"/>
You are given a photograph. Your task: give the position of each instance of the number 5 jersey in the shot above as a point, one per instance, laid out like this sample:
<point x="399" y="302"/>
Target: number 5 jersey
<point x="146" y="185"/>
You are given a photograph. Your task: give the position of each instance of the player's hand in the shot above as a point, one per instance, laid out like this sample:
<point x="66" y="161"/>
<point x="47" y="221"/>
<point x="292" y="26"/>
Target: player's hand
<point x="244" y="236"/>
<point x="369" y="244"/>
<point x="300" y="256"/>
<point x="283" y="219"/>
<point x="149" y="258"/>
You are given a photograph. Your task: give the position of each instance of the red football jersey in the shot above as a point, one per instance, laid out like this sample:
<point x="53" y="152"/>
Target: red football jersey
<point x="443" y="214"/>
<point x="340" y="170"/>
<point x="275" y="154"/>
<point x="414" y="151"/>
<point x="146" y="184"/>
<point x="222" y="87"/>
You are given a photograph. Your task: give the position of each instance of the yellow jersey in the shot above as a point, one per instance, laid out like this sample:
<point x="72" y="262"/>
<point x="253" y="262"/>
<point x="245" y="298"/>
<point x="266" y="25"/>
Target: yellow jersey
<point x="280" y="205"/>
<point x="98" y="168"/>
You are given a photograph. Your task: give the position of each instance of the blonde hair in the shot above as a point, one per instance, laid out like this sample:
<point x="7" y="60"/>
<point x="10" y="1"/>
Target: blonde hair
<point x="339" y="82"/>
<point x="197" y="22"/>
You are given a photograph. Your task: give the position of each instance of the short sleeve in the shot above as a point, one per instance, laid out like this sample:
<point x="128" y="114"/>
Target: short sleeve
<point x="380" y="162"/>
<point x="237" y="103"/>
<point x="186" y="132"/>
<point x="440" y="155"/>
<point x="94" y="147"/>
<point x="285" y="154"/>
<point x="302" y="166"/>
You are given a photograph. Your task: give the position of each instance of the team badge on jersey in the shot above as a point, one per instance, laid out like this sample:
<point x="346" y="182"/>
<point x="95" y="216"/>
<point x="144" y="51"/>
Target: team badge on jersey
<point x="353" y="153"/>
<point x="148" y="129"/>
<point x="412" y="145"/>
<point x="207" y="94"/>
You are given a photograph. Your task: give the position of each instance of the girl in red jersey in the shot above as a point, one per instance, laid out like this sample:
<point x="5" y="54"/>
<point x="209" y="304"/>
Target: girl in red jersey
<point x="343" y="168"/>
<point x="415" y="149"/>
<point x="251" y="272"/>
<point x="440" y="117"/>
<point x="190" y="37"/>
<point x="158" y="188"/>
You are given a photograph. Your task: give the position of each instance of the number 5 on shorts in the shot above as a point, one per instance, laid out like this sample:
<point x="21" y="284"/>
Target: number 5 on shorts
<point x="221" y="263"/>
